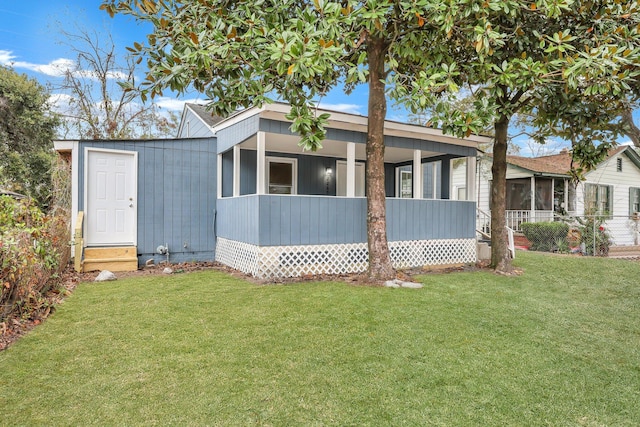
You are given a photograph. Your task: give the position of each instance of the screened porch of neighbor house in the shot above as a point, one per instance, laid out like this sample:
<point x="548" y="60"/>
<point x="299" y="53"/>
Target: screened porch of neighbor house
<point x="553" y="197"/>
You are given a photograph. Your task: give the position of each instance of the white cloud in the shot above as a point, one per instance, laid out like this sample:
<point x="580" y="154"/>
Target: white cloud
<point x="6" y="57"/>
<point x="59" y="101"/>
<point x="173" y="104"/>
<point x="344" y="108"/>
<point x="56" y="68"/>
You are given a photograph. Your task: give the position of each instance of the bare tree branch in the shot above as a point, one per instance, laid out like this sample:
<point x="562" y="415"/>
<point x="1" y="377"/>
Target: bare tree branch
<point x="99" y="108"/>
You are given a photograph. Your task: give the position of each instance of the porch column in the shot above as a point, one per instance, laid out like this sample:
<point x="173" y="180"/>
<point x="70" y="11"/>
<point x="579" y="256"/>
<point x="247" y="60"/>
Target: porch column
<point x="351" y="169"/>
<point x="471" y="178"/>
<point x="533" y="199"/>
<point x="236" y="170"/>
<point x="417" y="174"/>
<point x="219" y="176"/>
<point x="261" y="163"/>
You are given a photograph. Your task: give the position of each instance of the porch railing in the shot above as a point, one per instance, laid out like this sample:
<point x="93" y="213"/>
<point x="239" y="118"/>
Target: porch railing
<point x="483" y="224"/>
<point x="277" y="220"/>
<point x="515" y="218"/>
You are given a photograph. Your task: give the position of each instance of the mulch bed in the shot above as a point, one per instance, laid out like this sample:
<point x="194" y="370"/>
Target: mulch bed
<point x="14" y="328"/>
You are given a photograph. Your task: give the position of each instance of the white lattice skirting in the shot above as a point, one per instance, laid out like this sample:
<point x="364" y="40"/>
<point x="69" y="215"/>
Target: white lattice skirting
<point x="293" y="261"/>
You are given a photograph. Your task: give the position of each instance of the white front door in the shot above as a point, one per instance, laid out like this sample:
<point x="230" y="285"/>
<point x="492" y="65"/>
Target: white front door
<point x="110" y="197"/>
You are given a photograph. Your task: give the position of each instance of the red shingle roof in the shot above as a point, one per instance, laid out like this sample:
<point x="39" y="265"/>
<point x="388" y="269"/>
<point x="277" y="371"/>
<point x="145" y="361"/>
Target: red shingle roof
<point x="556" y="164"/>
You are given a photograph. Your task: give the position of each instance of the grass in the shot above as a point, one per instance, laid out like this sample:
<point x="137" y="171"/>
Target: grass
<point x="559" y="345"/>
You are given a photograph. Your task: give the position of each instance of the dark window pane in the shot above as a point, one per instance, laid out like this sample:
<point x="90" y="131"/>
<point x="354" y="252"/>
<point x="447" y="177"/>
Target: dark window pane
<point x="543" y="194"/>
<point x="280" y="173"/>
<point x="518" y="194"/>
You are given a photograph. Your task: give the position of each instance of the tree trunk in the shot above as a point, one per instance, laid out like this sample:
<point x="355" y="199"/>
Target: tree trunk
<point x="380" y="267"/>
<point x="500" y="259"/>
<point x="631" y="129"/>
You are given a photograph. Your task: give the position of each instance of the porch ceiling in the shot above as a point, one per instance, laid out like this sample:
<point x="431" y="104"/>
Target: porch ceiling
<point x="330" y="148"/>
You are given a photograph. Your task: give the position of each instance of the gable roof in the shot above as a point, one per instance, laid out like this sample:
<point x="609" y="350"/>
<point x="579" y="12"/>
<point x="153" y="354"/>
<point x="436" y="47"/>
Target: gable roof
<point x="557" y="164"/>
<point x="353" y="122"/>
<point x="201" y="113"/>
<point x="206" y="116"/>
<point x="560" y="164"/>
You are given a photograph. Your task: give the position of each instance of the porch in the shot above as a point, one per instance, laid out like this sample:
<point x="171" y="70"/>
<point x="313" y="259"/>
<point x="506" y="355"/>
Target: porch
<point x="284" y="236"/>
<point x="282" y="211"/>
<point x="553" y="197"/>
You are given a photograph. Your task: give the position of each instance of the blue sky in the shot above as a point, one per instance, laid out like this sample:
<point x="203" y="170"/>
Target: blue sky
<point x="30" y="41"/>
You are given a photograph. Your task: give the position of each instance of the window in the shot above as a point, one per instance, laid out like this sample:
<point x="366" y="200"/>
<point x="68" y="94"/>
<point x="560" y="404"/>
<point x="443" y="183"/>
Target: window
<point x="518" y="194"/>
<point x="543" y="194"/>
<point x="341" y="178"/>
<point x="431" y="180"/>
<point x="281" y="175"/>
<point x="598" y="199"/>
<point x="634" y="200"/>
<point x="461" y="193"/>
<point x="405" y="182"/>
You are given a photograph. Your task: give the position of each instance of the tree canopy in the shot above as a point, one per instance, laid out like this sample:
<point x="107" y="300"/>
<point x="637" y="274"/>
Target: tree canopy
<point x="26" y="136"/>
<point x="568" y="64"/>
<point x="243" y="54"/>
<point x="513" y="54"/>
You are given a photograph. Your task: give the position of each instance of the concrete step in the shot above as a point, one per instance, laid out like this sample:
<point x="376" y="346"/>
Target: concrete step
<point x="628" y="251"/>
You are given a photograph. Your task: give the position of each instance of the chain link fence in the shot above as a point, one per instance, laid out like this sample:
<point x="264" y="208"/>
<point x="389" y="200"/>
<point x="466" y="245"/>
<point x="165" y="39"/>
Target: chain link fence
<point x="587" y="235"/>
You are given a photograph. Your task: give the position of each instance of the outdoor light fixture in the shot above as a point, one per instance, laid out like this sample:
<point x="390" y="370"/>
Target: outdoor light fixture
<point x="328" y="171"/>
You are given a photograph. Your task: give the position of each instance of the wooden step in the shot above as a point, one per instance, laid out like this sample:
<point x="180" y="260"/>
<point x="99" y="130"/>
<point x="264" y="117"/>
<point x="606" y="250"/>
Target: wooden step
<point x="120" y="258"/>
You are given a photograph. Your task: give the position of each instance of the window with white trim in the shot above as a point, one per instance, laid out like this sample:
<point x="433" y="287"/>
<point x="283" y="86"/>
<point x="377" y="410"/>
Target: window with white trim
<point x="404" y="176"/>
<point x="598" y="199"/>
<point x="282" y="175"/>
<point x="634" y="200"/>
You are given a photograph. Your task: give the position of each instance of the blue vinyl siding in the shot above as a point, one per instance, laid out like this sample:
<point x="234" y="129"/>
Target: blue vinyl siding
<point x="270" y="220"/>
<point x="237" y="133"/>
<point x="244" y="129"/>
<point x="275" y="126"/>
<point x="237" y="219"/>
<point x="176" y="195"/>
<point x="311" y="173"/>
<point x="193" y="126"/>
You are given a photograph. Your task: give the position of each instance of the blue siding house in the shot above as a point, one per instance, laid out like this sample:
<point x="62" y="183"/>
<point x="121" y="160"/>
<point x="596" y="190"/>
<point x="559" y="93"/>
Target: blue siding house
<point x="241" y="191"/>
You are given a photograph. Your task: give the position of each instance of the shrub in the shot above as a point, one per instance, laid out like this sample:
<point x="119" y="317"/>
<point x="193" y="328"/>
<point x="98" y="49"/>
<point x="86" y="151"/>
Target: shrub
<point x="33" y="250"/>
<point x="546" y="236"/>
<point x="594" y="239"/>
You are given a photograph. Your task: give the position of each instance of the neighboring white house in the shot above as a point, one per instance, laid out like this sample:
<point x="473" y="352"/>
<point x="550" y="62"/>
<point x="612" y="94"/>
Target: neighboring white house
<point x="540" y="189"/>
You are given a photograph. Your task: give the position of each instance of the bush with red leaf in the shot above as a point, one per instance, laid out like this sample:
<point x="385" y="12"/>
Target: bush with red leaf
<point x="34" y="248"/>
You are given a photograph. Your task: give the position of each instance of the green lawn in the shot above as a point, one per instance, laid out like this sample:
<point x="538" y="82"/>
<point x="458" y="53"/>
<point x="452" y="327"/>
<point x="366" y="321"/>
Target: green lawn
<point x="559" y="345"/>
